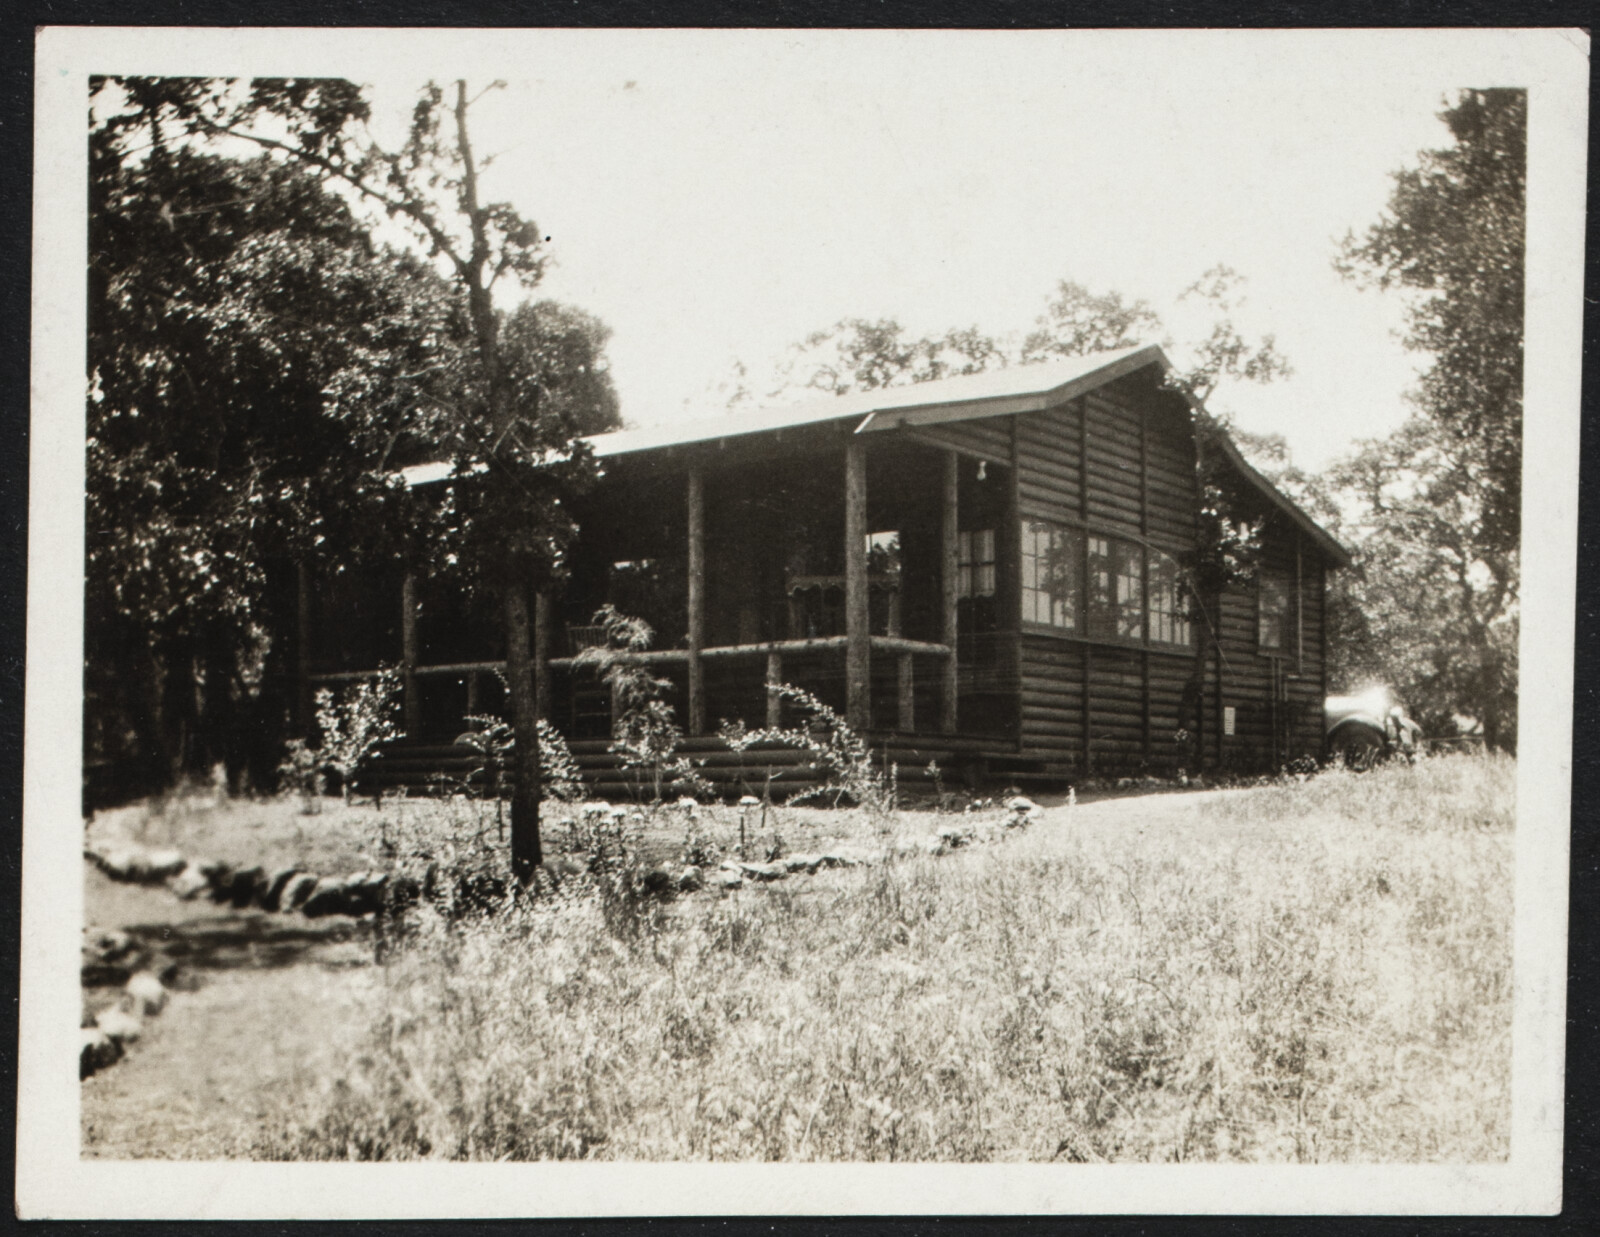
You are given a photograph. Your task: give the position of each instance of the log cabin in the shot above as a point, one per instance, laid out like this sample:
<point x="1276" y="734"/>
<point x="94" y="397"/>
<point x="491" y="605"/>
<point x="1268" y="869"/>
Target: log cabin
<point x="992" y="574"/>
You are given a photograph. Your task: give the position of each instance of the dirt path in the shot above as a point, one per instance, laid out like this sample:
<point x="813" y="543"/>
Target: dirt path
<point x="262" y="1001"/>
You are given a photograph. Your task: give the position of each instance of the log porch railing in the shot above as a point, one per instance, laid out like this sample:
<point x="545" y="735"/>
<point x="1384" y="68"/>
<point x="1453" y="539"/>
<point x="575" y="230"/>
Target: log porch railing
<point x="903" y="650"/>
<point x="857" y="645"/>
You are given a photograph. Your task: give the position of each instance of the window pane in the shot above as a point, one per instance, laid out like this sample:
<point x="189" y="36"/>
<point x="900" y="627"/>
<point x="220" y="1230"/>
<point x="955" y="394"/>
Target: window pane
<point x="1050" y="572"/>
<point x="1129" y="562"/>
<point x="1168" y="622"/>
<point x="1273" y="596"/>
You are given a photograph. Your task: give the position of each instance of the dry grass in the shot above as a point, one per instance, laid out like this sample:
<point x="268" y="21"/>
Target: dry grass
<point x="1309" y="972"/>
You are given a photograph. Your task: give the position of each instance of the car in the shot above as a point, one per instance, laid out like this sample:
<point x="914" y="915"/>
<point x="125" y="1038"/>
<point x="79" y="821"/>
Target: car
<point x="1368" y="728"/>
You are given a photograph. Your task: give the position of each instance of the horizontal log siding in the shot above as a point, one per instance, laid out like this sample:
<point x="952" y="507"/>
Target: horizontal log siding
<point x="1132" y="711"/>
<point x="1247" y="672"/>
<point x="1049" y="474"/>
<point x="1113" y="463"/>
<point x="1174" y="499"/>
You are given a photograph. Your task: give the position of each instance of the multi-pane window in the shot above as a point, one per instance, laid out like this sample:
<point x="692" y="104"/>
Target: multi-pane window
<point x="1101" y="586"/>
<point x="975" y="560"/>
<point x="1169" y="618"/>
<point x="1273" y="609"/>
<point x="1052" y="575"/>
<point x="1116" y="588"/>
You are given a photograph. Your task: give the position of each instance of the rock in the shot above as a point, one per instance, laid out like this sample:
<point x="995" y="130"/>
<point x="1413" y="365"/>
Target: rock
<point x="115" y="861"/>
<point x="295" y="892"/>
<point x="725" y="879"/>
<point x="98" y="1050"/>
<point x="189" y="883"/>
<point x="275" y="886"/>
<point x="691" y="879"/>
<point x="765" y="871"/>
<point x="247" y="886"/>
<point x="842" y="858"/>
<point x="107" y="958"/>
<point x="803" y="863"/>
<point x="953" y="837"/>
<point x="107" y="945"/>
<point x="221" y="878"/>
<point x="328" y="898"/>
<point x="660" y="880"/>
<point x="160" y="865"/>
<point x="364" y="892"/>
<point x="1021" y="804"/>
<point x="147" y="993"/>
<point x="121" y="1025"/>
<point x="125" y="861"/>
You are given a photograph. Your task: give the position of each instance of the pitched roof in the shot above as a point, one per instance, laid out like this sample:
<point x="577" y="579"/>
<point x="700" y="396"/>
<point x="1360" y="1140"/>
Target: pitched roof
<point x="1021" y="388"/>
<point x="993" y="393"/>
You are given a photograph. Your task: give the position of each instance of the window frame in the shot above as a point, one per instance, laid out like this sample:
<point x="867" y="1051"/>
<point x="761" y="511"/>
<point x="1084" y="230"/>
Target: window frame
<point x="970" y="567"/>
<point x="1285" y="611"/>
<point x="1084" y="627"/>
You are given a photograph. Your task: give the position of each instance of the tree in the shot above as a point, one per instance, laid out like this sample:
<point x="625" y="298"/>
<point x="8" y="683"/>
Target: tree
<point x="1436" y="597"/>
<point x="1078" y="322"/>
<point x="1438" y="505"/>
<point x="489" y="406"/>
<point x="512" y="530"/>
<point x="856" y="354"/>
<point x="225" y="296"/>
<point x="1453" y="237"/>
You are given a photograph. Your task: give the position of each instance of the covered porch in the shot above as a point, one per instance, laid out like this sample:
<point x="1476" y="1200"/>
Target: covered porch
<point x="869" y="576"/>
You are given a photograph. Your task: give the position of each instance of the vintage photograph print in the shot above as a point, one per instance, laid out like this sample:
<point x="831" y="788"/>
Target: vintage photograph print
<point x="815" y="621"/>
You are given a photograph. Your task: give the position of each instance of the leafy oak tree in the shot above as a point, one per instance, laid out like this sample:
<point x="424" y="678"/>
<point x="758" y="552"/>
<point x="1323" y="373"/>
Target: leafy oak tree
<point x="1437" y="506"/>
<point x="225" y="297"/>
<point x="483" y="394"/>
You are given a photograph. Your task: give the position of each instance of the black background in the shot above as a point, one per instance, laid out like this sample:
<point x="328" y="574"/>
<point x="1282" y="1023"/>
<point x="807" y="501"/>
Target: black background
<point x="18" y="20"/>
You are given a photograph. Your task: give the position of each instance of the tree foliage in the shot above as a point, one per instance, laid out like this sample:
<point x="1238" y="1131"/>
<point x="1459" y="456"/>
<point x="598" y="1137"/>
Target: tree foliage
<point x="1453" y="238"/>
<point x="859" y="354"/>
<point x="311" y="362"/>
<point x="1436" y="508"/>
<point x="226" y="297"/>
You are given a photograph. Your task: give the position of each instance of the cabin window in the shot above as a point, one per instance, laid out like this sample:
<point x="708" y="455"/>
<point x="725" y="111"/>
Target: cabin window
<point x="975" y="560"/>
<point x="1116" y="588"/>
<point x="1169" y="618"/>
<point x="1272" y="597"/>
<point x="1052" y="589"/>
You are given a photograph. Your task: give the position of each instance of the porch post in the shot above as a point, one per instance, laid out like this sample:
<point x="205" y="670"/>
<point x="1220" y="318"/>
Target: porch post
<point x="857" y="630"/>
<point x="905" y="684"/>
<point x="305" y="714"/>
<point x="774" y="701"/>
<point x="949" y="585"/>
<point x="697" y="601"/>
<point x="408" y="654"/>
<point x="541" y="653"/>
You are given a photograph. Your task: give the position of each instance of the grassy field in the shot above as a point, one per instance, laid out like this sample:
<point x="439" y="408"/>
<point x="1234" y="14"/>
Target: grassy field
<point x="1312" y="971"/>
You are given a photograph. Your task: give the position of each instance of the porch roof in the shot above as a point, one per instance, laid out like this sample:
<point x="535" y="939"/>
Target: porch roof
<point x="1021" y="388"/>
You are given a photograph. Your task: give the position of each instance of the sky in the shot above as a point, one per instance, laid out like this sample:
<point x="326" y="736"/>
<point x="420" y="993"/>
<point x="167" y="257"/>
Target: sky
<point x="715" y="197"/>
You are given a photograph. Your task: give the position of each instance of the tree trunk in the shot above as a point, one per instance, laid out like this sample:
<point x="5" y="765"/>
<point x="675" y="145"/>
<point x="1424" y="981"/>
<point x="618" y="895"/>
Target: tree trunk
<point x="526" y="852"/>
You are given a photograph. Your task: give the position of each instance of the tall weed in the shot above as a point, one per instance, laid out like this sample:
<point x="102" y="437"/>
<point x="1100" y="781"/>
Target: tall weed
<point x="1313" y="972"/>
